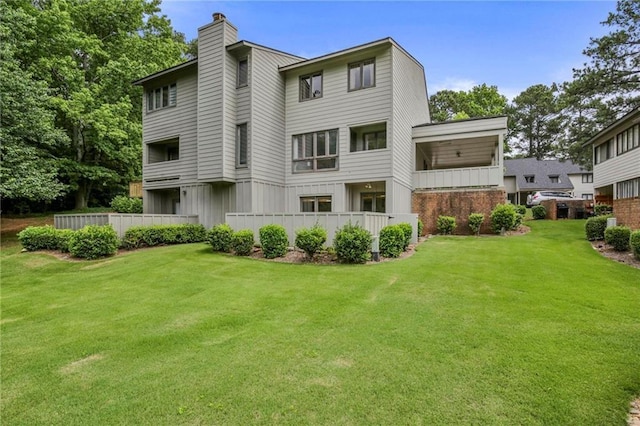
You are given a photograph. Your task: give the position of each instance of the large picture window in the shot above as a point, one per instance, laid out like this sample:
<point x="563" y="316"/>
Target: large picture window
<point x="315" y="204"/>
<point x="311" y="86"/>
<point x="315" y="151"/>
<point x="362" y="74"/>
<point x="162" y="97"/>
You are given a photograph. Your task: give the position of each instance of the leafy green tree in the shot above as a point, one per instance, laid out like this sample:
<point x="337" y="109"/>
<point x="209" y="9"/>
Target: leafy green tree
<point x="607" y="86"/>
<point x="480" y="101"/>
<point x="536" y="122"/>
<point x="88" y="52"/>
<point x="28" y="136"/>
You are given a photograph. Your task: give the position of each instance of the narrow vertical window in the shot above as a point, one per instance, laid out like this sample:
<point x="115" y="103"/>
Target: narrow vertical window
<point x="173" y="95"/>
<point x="241" y="145"/>
<point x="243" y="72"/>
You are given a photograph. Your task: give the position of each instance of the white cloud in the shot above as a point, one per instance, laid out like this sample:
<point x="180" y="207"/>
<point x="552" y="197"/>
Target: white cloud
<point x="453" y="83"/>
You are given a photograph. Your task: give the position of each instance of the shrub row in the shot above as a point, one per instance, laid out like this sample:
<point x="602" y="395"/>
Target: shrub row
<point x="46" y="237"/>
<point x="618" y="237"/>
<point x="122" y="204"/>
<point x="150" y="236"/>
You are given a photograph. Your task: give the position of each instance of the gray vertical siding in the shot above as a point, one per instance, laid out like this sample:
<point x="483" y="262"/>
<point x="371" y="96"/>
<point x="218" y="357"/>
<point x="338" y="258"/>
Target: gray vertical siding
<point x="410" y="108"/>
<point x="213" y="88"/>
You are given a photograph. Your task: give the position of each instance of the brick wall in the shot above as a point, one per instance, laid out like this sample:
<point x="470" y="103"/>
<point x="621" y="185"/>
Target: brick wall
<point x="573" y="205"/>
<point x="627" y="212"/>
<point x="458" y="203"/>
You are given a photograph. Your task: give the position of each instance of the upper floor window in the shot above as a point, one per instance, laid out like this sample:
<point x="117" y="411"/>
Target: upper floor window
<point x="366" y="138"/>
<point x="362" y="74"/>
<point x="162" y="97"/>
<point x="242" y="145"/>
<point x="554" y="178"/>
<point x="587" y="178"/>
<point x="603" y="152"/>
<point x="167" y="150"/>
<point x="628" y="139"/>
<point x="315" y="151"/>
<point x="530" y="178"/>
<point x="311" y="86"/>
<point x="243" y="72"/>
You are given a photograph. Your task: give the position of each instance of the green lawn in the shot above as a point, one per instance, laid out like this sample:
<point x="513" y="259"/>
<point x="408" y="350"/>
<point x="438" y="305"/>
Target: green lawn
<point x="533" y="329"/>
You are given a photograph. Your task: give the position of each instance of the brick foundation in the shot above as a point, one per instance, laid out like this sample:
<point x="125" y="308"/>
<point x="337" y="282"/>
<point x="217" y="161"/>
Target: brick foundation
<point x="627" y="212"/>
<point x="458" y="203"/>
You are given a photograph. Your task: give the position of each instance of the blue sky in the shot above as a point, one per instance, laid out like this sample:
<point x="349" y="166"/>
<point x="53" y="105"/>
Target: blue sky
<point x="510" y="44"/>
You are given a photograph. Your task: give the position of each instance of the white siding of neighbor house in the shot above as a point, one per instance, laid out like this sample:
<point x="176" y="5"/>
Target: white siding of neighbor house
<point x="167" y="123"/>
<point x="617" y="169"/>
<point x="340" y="109"/>
<point x="580" y="188"/>
<point x="216" y="102"/>
<point x="410" y="108"/>
<point x="510" y="184"/>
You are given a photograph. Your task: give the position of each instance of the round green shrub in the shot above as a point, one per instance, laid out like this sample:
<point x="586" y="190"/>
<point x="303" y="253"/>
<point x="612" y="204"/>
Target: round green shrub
<point x="392" y="239"/>
<point x="602" y="209"/>
<point x="407" y="230"/>
<point x="420" y="227"/>
<point x="242" y="242"/>
<point x="133" y="238"/>
<point x="35" y="238"/>
<point x="503" y="218"/>
<point x="274" y="241"/>
<point x="539" y="212"/>
<point x="634" y="243"/>
<point x="122" y="204"/>
<point x="618" y="237"/>
<point x="220" y="237"/>
<point x="446" y="224"/>
<point x="64" y="237"/>
<point x="521" y="209"/>
<point x="595" y="226"/>
<point x="475" y="222"/>
<point x="352" y="244"/>
<point x="311" y="240"/>
<point x="93" y="242"/>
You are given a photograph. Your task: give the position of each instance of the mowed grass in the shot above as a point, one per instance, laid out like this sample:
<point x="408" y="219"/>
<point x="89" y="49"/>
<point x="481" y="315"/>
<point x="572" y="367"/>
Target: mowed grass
<point x="532" y="329"/>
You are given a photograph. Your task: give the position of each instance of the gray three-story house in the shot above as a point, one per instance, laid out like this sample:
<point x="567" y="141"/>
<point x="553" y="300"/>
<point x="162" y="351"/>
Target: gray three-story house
<point x="247" y="128"/>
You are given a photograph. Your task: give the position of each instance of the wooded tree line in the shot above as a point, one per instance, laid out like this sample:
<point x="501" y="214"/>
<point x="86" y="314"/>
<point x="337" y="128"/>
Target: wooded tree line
<point x="554" y="121"/>
<point x="71" y="119"/>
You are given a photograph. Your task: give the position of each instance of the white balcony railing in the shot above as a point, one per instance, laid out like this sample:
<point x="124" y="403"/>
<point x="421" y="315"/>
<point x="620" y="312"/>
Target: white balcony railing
<point x="467" y="177"/>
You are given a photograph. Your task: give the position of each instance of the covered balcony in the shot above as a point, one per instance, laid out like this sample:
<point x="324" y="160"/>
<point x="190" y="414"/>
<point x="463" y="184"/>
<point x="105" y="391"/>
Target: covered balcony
<point x="459" y="154"/>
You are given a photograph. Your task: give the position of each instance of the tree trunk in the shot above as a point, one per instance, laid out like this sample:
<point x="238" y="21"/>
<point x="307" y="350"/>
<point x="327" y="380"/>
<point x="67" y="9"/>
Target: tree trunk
<point x="82" y="195"/>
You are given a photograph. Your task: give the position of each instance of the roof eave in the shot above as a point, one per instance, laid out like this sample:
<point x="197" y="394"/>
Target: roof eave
<point x="164" y="72"/>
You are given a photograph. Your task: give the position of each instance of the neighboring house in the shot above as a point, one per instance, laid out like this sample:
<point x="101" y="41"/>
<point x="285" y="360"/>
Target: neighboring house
<point x="247" y="128"/>
<point x="523" y="176"/>
<point x="616" y="168"/>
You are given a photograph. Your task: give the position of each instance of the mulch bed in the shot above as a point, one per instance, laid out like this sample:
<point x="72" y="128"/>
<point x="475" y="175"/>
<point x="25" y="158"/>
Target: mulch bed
<point x="607" y="251"/>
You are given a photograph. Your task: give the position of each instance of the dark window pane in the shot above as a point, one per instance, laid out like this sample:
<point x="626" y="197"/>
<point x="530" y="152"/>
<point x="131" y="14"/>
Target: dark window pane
<point x="380" y="203"/>
<point x="305" y="88"/>
<point x="333" y="142"/>
<point x="302" y="166"/>
<point x="326" y="163"/>
<point x="316" y="85"/>
<point x="173" y="95"/>
<point x="165" y="96"/>
<point x="367" y="75"/>
<point x="149" y="101"/>
<point x="308" y="145"/>
<point x="243" y="72"/>
<point x="307" y="204"/>
<point x="321" y="146"/>
<point x="324" y="204"/>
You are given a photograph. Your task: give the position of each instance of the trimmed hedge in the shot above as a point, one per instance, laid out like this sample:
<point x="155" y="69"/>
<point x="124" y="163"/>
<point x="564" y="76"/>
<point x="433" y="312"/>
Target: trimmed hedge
<point x="618" y="237"/>
<point x="311" y="240"/>
<point x="446" y="224"/>
<point x="123" y="204"/>
<point x="539" y="212"/>
<point x="155" y="235"/>
<point x="352" y="244"/>
<point x="503" y="217"/>
<point x="475" y="222"/>
<point x="521" y="209"/>
<point x="634" y="243"/>
<point x="93" y="242"/>
<point x="595" y="227"/>
<point x="602" y="209"/>
<point x="242" y="242"/>
<point x="392" y="240"/>
<point x="45" y="237"/>
<point x="274" y="241"/>
<point x="220" y="237"/>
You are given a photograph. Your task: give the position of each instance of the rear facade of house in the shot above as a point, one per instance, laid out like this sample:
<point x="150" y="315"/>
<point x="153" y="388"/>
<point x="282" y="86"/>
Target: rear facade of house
<point x="247" y="128"/>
